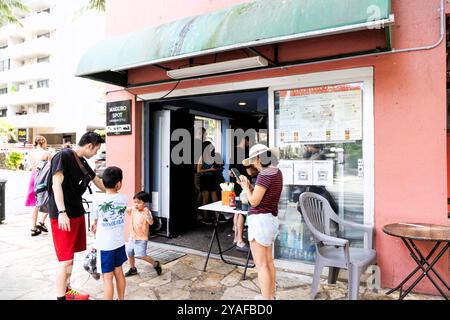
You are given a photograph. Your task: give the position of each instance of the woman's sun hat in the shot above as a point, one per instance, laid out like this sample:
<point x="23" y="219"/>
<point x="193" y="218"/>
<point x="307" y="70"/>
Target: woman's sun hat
<point x="258" y="149"/>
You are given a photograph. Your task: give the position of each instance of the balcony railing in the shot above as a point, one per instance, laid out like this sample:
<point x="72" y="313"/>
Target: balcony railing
<point x="23" y="97"/>
<point x="27" y="73"/>
<point x="35" y="120"/>
<point x="38" y="23"/>
<point x="11" y="30"/>
<point x="37" y="47"/>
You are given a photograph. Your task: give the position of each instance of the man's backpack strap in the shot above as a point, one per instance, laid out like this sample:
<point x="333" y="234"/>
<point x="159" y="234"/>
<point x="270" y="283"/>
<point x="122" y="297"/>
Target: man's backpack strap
<point x="83" y="168"/>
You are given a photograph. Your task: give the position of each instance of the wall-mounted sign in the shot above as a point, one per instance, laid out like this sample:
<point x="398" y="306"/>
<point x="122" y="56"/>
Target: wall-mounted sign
<point x="118" y="117"/>
<point x="22" y="135"/>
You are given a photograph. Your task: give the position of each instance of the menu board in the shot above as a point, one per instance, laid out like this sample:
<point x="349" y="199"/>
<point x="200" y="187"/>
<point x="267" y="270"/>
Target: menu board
<point x="321" y="114"/>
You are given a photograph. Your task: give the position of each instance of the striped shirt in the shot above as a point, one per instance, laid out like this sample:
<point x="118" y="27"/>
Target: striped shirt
<point x="271" y="179"/>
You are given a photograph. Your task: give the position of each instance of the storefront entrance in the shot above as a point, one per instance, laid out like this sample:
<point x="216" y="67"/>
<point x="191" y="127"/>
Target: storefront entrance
<point x="323" y="125"/>
<point x="175" y="196"/>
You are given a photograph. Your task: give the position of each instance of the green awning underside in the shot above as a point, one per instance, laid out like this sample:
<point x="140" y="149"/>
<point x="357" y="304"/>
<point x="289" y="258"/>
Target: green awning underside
<point x="240" y="26"/>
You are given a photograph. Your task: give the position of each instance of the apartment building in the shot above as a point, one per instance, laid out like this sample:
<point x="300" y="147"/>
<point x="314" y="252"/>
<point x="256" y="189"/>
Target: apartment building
<point x="38" y="90"/>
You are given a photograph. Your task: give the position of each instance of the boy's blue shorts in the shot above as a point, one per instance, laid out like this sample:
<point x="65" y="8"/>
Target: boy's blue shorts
<point x="108" y="260"/>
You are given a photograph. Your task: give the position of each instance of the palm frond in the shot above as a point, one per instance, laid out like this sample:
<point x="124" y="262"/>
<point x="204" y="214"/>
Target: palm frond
<point x="9" y="10"/>
<point x="99" y="5"/>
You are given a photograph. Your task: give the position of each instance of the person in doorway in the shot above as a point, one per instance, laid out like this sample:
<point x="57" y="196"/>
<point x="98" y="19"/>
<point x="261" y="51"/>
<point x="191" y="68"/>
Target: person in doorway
<point x="208" y="179"/>
<point x="219" y="178"/>
<point x="38" y="154"/>
<point x="262" y="215"/>
<point x="109" y="233"/>
<point x="141" y="218"/>
<point x="241" y="152"/>
<point x="70" y="175"/>
<point x="201" y="143"/>
<point x="239" y="219"/>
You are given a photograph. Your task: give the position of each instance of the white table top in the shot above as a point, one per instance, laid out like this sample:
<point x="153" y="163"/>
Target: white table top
<point x="217" y="206"/>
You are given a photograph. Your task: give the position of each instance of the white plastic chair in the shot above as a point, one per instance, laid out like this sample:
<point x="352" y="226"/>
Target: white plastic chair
<point x="331" y="251"/>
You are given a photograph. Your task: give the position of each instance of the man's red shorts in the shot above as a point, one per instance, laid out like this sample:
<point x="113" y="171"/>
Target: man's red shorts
<point x="67" y="243"/>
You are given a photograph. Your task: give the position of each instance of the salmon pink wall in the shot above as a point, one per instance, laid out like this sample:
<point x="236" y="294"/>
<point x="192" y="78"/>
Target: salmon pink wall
<point x="124" y="151"/>
<point x="409" y="116"/>
<point x="126" y="16"/>
<point x="448" y="166"/>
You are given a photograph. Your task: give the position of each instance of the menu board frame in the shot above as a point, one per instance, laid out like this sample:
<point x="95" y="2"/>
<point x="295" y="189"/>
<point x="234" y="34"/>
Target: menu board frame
<point x="321" y="114"/>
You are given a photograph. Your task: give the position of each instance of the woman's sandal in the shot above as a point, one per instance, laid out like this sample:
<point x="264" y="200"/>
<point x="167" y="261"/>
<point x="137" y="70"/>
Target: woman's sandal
<point x="41" y="226"/>
<point x="35" y="232"/>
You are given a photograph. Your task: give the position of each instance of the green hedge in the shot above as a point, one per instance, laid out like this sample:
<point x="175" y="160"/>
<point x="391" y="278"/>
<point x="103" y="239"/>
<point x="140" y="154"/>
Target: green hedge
<point x="14" y="160"/>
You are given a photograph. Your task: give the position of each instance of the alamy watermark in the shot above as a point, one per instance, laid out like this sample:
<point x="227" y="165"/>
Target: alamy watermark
<point x="373" y="282"/>
<point x="189" y="149"/>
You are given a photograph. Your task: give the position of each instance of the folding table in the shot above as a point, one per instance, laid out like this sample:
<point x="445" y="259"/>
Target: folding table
<point x="218" y="208"/>
<point x="423" y="232"/>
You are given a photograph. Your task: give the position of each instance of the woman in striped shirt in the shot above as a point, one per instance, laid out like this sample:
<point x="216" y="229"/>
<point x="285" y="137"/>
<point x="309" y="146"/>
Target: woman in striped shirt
<point x="262" y="216"/>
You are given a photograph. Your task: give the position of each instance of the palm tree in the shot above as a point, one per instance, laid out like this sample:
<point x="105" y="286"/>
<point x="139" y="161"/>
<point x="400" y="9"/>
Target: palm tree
<point x="9" y="10"/>
<point x="5" y="128"/>
<point x="99" y="5"/>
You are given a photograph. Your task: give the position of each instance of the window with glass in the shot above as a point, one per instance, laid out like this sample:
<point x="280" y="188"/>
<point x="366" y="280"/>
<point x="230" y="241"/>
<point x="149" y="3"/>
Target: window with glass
<point x="213" y="129"/>
<point x="43" y="108"/>
<point x="41" y="35"/>
<point x="3" y="90"/>
<point x="3" y="113"/>
<point x="43" y="10"/>
<point x="4" y="65"/>
<point x="319" y="131"/>
<point x="43" y="59"/>
<point x="43" y="83"/>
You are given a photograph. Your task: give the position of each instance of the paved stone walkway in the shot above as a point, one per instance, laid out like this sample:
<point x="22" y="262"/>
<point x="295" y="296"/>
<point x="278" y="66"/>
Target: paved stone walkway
<point x="28" y="266"/>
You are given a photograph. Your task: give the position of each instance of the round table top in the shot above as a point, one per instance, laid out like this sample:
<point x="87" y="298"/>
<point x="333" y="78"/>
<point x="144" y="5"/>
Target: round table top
<point x="418" y="231"/>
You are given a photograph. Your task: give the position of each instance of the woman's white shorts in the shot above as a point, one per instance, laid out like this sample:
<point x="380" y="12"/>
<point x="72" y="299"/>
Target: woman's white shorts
<point x="263" y="228"/>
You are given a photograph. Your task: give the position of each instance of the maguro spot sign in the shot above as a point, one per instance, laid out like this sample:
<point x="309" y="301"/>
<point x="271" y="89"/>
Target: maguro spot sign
<point x="118" y="117"/>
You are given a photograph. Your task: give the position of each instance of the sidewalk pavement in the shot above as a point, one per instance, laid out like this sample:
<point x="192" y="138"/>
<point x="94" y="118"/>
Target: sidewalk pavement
<point x="28" y="268"/>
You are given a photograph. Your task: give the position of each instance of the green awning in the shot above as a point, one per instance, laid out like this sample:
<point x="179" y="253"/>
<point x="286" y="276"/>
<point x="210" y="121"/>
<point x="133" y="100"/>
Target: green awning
<point x="240" y="26"/>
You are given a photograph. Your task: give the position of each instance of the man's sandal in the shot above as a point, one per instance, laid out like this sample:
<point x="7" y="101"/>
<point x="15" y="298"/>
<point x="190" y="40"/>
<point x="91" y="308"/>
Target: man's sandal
<point x="35" y="232"/>
<point x="41" y="226"/>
